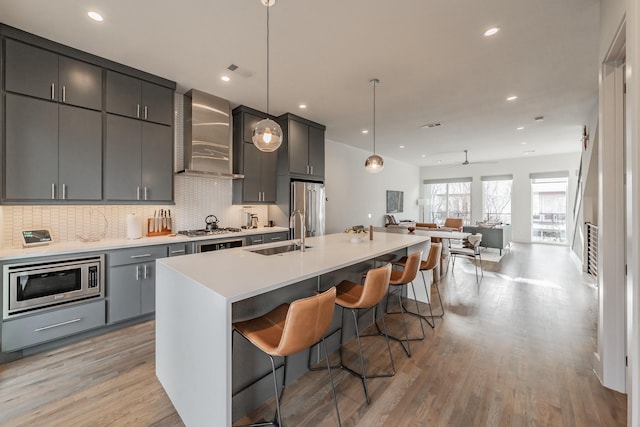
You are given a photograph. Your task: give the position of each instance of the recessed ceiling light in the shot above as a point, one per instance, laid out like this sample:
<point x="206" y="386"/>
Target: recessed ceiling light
<point x="491" y="31"/>
<point x="365" y="131"/>
<point x="512" y="98"/>
<point x="520" y="128"/>
<point x="225" y="78"/>
<point x="95" y="16"/>
<point x="402" y="146"/>
<point x="424" y="155"/>
<point x="523" y="143"/>
<point x="303" y="106"/>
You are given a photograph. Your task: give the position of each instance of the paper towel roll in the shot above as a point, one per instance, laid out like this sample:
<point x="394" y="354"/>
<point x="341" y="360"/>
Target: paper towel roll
<point x="134" y="226"/>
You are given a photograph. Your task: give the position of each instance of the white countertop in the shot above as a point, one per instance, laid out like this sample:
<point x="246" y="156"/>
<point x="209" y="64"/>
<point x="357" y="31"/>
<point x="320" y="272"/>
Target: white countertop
<point x="77" y="247"/>
<point x="241" y="274"/>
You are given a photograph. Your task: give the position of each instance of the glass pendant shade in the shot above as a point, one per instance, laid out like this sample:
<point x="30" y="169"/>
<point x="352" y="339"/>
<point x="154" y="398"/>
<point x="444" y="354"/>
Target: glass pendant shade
<point x="267" y="135"/>
<point x="374" y="163"/>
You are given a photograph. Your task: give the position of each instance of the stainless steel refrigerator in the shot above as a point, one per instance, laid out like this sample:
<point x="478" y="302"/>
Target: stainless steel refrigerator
<point x="309" y="198"/>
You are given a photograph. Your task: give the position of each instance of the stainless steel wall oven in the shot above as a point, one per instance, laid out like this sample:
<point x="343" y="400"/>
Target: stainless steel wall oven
<point x="36" y="285"/>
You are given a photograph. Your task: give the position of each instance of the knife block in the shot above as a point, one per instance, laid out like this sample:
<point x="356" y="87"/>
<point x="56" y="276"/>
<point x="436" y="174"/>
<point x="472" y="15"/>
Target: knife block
<point x="150" y="226"/>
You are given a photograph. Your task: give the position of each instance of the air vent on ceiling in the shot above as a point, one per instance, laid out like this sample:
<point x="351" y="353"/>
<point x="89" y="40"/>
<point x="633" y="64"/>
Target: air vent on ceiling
<point x="539" y="118"/>
<point x="239" y="71"/>
<point x="432" y="125"/>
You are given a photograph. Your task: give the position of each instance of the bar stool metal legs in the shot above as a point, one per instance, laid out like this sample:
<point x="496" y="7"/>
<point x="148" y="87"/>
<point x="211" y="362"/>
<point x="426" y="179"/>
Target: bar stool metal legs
<point x="363" y="372"/>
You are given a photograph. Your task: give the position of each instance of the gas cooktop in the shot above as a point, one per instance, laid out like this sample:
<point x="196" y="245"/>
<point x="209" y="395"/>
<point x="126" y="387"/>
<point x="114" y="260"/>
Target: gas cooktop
<point x="198" y="233"/>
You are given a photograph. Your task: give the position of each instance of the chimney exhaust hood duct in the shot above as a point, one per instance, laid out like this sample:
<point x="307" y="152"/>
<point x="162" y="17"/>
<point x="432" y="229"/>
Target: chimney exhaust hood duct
<point x="207" y="136"/>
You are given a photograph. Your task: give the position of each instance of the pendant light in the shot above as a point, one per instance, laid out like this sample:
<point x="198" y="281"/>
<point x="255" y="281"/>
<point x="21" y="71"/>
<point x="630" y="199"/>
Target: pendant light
<point x="374" y="163"/>
<point x="267" y="135"/>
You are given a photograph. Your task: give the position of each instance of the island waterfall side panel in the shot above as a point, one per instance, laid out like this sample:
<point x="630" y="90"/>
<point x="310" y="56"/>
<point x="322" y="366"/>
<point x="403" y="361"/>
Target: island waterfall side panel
<point x="191" y="320"/>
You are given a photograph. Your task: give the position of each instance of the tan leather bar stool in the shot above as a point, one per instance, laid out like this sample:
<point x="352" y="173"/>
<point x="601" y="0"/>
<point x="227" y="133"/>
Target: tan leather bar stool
<point x="288" y="329"/>
<point x="400" y="278"/>
<point x="355" y="297"/>
<point x="426" y="265"/>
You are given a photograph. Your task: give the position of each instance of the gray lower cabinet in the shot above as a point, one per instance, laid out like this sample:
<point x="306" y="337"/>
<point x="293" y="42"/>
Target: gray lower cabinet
<point x="139" y="160"/>
<point x="131" y="289"/>
<point x="177" y="249"/>
<point x="53" y="151"/>
<point x="276" y="237"/>
<point x="257" y="239"/>
<point x="39" y="328"/>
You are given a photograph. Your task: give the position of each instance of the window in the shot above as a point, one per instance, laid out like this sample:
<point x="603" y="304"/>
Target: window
<point x="496" y="199"/>
<point x="447" y="198"/>
<point x="549" y="207"/>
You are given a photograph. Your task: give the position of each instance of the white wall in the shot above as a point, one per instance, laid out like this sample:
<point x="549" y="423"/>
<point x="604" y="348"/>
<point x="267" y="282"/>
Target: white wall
<point x="353" y="193"/>
<point x="521" y="190"/>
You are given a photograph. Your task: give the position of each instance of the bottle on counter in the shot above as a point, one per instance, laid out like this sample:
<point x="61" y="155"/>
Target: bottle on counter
<point x="370" y="232"/>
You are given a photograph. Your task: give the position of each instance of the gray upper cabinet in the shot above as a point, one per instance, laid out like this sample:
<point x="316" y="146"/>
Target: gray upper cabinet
<point x="259" y="169"/>
<point x="53" y="152"/>
<point x="139" y="160"/>
<point x="43" y="74"/>
<point x="80" y="128"/>
<point x="131" y="97"/>
<point x="302" y="152"/>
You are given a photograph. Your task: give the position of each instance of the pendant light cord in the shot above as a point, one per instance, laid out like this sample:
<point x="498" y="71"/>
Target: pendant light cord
<point x="374" y="82"/>
<point x="268" y="6"/>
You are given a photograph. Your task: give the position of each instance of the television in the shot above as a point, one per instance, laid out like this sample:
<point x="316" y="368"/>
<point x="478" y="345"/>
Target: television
<point x="394" y="201"/>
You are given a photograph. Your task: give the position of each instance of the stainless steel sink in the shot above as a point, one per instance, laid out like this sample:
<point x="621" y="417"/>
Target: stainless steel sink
<point x="275" y="250"/>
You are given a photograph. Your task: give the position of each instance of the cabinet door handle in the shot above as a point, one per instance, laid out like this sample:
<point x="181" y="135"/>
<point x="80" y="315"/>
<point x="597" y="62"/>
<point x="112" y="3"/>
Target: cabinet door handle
<point x="140" y="256"/>
<point x="276" y="238"/>
<point x="64" y="191"/>
<point x="181" y="251"/>
<point x="44" y="328"/>
<point x="53" y="191"/>
<point x="138" y="110"/>
<point x="146" y="111"/>
<point x="64" y="93"/>
<point x="145" y="272"/>
<point x="311" y="167"/>
<point x="53" y="91"/>
<point x="137" y="272"/>
<point x="138" y="193"/>
<point x="146" y="195"/>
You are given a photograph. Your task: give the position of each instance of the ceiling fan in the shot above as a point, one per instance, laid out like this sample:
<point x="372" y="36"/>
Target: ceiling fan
<point x="467" y="162"/>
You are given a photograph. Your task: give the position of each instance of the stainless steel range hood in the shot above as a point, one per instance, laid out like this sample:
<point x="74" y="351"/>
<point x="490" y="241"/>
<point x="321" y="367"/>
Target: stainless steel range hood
<point x="207" y="136"/>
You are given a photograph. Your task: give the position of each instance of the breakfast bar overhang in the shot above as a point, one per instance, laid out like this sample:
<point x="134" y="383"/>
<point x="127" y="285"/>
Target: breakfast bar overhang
<point x="196" y="296"/>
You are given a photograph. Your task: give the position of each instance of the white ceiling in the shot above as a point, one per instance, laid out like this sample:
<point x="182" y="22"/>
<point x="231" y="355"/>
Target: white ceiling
<point x="433" y="63"/>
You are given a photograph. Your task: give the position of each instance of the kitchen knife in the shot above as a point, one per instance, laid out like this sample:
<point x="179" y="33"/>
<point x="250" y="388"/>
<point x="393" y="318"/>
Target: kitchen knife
<point x="152" y="224"/>
<point x="169" y="219"/>
<point x="164" y="219"/>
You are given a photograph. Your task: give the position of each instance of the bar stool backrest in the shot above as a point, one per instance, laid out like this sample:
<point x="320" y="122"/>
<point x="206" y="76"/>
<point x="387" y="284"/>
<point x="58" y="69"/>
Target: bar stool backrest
<point x="307" y="321"/>
<point x="434" y="257"/>
<point x="410" y="269"/>
<point x="375" y="288"/>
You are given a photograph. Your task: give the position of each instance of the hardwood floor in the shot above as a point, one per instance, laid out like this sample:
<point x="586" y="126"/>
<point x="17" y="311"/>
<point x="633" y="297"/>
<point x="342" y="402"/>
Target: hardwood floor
<point x="513" y="351"/>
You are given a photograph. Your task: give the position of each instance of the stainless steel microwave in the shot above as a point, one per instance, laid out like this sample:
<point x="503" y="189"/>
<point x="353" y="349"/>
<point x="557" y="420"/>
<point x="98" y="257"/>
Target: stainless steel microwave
<point x="36" y="285"/>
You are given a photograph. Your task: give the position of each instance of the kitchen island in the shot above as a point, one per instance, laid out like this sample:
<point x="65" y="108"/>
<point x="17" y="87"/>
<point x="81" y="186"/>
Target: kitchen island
<point x="199" y="296"/>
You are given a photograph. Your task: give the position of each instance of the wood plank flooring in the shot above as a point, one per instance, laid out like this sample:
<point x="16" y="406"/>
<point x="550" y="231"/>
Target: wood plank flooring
<point x="513" y="351"/>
